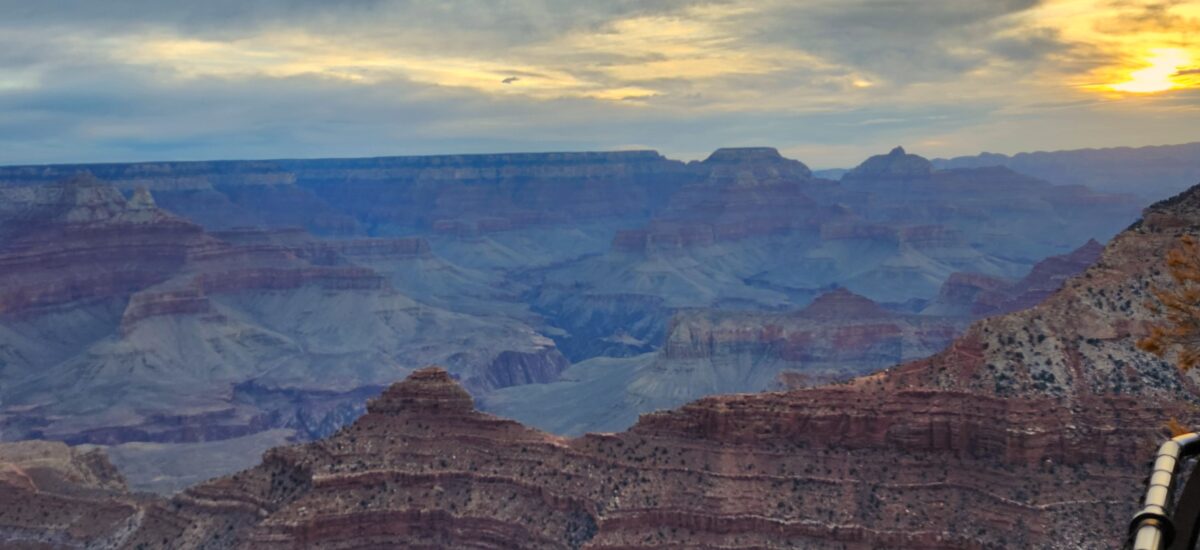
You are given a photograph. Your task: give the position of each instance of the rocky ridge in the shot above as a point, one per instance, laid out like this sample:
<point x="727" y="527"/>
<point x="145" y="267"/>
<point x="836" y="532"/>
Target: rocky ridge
<point x="1149" y="172"/>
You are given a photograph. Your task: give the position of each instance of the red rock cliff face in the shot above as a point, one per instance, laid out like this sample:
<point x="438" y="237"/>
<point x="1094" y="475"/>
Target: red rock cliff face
<point x="82" y="241"/>
<point x="1031" y="431"/>
<point x="852" y="467"/>
<point x="75" y="242"/>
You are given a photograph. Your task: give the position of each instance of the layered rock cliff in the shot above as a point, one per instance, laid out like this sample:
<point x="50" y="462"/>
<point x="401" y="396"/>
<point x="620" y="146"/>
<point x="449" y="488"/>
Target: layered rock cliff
<point x="459" y="194"/>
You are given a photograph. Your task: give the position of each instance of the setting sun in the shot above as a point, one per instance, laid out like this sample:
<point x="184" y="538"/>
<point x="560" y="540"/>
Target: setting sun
<point x="1165" y="64"/>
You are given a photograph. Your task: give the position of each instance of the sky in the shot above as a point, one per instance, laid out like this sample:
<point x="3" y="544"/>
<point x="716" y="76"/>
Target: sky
<point x="829" y="82"/>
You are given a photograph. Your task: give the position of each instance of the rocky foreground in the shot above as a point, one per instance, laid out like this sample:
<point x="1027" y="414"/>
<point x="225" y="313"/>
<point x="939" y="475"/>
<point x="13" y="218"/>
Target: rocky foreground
<point x="1031" y="431"/>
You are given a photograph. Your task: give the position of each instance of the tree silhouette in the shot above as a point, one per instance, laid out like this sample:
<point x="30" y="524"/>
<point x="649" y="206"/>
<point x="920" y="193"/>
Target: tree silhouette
<point x="1179" y="331"/>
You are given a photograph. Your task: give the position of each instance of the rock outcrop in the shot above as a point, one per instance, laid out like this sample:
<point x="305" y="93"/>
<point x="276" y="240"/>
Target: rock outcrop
<point x="54" y="496"/>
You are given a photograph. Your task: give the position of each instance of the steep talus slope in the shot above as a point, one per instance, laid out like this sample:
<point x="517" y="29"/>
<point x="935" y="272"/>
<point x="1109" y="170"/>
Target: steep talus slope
<point x="1031" y="431"/>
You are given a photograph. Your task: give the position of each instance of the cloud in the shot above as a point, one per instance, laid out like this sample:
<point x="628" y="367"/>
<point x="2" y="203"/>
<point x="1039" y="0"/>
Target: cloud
<point x="142" y="79"/>
<point x="900" y="40"/>
<point x="1135" y="17"/>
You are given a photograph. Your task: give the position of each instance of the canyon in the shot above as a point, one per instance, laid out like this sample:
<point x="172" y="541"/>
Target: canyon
<point x="1031" y="429"/>
<point x="179" y="310"/>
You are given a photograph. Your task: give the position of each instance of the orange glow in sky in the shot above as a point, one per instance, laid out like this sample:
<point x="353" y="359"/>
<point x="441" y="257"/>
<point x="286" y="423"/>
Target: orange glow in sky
<point x="1164" y="65"/>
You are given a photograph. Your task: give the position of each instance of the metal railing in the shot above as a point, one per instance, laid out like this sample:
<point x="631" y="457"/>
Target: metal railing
<point x="1152" y="527"/>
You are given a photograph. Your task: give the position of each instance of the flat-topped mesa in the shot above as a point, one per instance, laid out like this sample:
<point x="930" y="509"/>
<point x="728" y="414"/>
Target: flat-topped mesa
<point x="381" y="248"/>
<point x="744" y="154"/>
<point x="752" y="166"/>
<point x="896" y="164"/>
<point x="484" y="160"/>
<point x="184" y="176"/>
<point x="427" y="390"/>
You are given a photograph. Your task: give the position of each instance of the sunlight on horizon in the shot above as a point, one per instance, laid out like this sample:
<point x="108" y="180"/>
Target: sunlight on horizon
<point x="1165" y="65"/>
